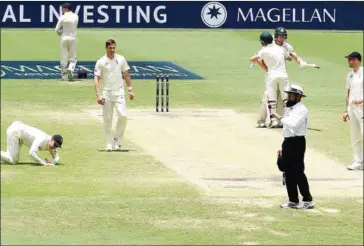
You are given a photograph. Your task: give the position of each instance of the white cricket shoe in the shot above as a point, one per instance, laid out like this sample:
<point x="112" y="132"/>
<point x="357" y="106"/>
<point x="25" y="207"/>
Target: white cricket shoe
<point x="261" y="124"/>
<point x="306" y="205"/>
<point x="274" y="124"/>
<point x="280" y="124"/>
<point x="109" y="148"/>
<point x="355" y="166"/>
<point x="289" y="204"/>
<point x="117" y="145"/>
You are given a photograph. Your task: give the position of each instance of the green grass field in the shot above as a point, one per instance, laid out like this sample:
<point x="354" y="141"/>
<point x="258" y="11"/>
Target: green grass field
<point x="139" y="196"/>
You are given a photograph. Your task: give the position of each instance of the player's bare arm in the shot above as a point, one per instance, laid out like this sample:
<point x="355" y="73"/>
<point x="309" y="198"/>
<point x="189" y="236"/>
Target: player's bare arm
<point x="127" y="79"/>
<point x="262" y="65"/>
<point x="295" y="57"/>
<point x="254" y="58"/>
<point x="301" y="62"/>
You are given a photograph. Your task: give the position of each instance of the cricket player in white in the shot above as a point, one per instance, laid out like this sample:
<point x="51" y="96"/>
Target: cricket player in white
<point x="280" y="38"/>
<point x="276" y="78"/>
<point x="67" y="29"/>
<point x="19" y="134"/>
<point x="354" y="108"/>
<point x="110" y="72"/>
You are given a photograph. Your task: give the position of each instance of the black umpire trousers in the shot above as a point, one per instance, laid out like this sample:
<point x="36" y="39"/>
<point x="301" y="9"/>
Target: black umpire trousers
<point x="293" y="155"/>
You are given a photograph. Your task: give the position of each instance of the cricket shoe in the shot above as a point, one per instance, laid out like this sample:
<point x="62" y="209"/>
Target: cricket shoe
<point x="109" y="148"/>
<point x="274" y="124"/>
<point x="306" y="205"/>
<point x="261" y="124"/>
<point x="355" y="166"/>
<point x="70" y="75"/>
<point x="117" y="145"/>
<point x="289" y="205"/>
<point x="280" y="124"/>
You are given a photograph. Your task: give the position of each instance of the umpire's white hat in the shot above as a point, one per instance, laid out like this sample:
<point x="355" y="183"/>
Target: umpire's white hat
<point x="296" y="89"/>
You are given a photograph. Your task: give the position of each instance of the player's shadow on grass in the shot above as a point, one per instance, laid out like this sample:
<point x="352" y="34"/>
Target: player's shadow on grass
<point x="122" y="150"/>
<point x="27" y="164"/>
<point x="309" y="128"/>
<point x="314" y="129"/>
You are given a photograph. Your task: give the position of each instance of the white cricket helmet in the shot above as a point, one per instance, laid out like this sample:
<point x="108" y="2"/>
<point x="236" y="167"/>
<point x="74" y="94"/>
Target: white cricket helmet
<point x="296" y="89"/>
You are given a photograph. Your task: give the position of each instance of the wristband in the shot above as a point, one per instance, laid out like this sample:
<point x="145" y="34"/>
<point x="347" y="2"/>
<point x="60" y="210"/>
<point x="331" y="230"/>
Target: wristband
<point x="130" y="88"/>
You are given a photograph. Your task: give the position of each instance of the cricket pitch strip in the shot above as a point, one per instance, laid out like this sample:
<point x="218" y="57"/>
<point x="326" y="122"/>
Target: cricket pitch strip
<point x="223" y="153"/>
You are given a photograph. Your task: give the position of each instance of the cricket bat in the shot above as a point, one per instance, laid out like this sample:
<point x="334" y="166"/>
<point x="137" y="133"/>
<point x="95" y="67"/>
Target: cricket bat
<point x="313" y="65"/>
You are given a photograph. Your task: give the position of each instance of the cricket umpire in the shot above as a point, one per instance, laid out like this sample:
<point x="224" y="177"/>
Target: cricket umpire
<point x="291" y="158"/>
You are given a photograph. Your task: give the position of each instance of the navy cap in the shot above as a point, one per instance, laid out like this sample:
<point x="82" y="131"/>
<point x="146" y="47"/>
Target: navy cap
<point x="58" y="140"/>
<point x="67" y="6"/>
<point x="354" y="55"/>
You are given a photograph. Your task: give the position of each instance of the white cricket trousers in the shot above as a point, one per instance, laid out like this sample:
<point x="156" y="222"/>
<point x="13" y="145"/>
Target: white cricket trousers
<point x="68" y="52"/>
<point x="114" y="100"/>
<point x="274" y="94"/>
<point x="264" y="110"/>
<point x="13" y="144"/>
<point x="276" y="83"/>
<point x="355" y="113"/>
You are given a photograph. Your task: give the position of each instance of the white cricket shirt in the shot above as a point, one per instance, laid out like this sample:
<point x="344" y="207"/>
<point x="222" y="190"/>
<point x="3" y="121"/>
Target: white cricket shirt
<point x="110" y="71"/>
<point x="287" y="47"/>
<point x="274" y="57"/>
<point x="354" y="82"/>
<point x="295" y="121"/>
<point x="68" y="22"/>
<point x="35" y="139"/>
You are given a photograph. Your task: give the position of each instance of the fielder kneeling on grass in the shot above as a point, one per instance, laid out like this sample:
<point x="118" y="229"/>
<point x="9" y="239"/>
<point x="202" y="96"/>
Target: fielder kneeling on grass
<point x="291" y="158"/>
<point x="110" y="72"/>
<point x="19" y="133"/>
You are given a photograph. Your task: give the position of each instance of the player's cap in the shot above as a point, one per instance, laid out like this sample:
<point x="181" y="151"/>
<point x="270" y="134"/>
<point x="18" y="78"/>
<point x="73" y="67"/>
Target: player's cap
<point x="354" y="55"/>
<point x="82" y="74"/>
<point x="58" y="140"/>
<point x="67" y="6"/>
<point x="295" y="89"/>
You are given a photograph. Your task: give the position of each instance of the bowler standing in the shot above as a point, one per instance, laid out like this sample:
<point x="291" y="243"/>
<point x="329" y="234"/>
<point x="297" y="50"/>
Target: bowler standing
<point x="67" y="29"/>
<point x="110" y="72"/>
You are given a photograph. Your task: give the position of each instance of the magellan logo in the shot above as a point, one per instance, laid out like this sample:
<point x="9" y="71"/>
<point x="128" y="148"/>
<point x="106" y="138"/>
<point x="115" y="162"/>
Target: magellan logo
<point x="214" y="14"/>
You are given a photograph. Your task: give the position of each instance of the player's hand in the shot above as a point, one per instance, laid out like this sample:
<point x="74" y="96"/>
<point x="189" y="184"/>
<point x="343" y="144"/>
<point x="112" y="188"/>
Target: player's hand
<point x="59" y="32"/>
<point x="131" y="95"/>
<point x="303" y="64"/>
<point x="345" y="117"/>
<point x="48" y="162"/>
<point x="100" y="100"/>
<point x="357" y="102"/>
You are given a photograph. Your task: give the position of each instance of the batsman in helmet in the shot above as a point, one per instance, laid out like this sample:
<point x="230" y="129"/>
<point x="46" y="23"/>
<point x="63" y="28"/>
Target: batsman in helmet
<point x="280" y="39"/>
<point x="271" y="58"/>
